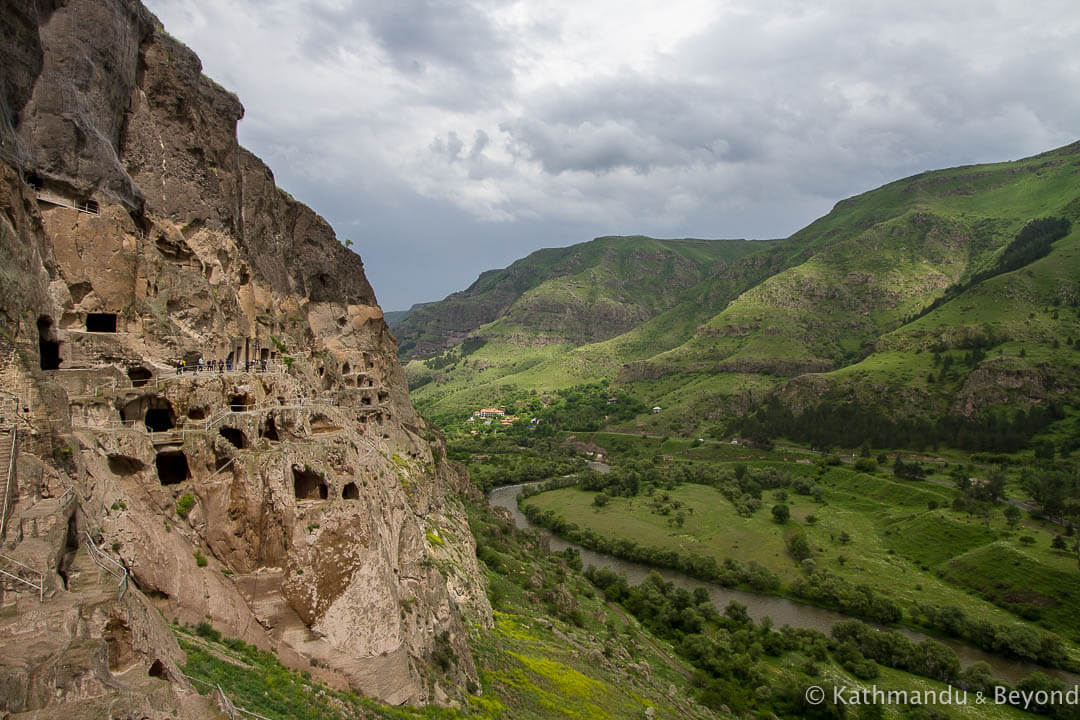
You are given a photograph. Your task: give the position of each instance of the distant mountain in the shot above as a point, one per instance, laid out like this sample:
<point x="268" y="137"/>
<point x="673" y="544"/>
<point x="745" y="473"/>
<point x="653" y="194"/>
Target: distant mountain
<point x="931" y="298"/>
<point x="394" y="318"/>
<point x="572" y="295"/>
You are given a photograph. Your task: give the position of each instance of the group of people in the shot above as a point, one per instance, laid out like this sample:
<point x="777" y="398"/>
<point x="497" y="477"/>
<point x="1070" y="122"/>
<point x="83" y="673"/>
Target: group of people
<point x="218" y="366"/>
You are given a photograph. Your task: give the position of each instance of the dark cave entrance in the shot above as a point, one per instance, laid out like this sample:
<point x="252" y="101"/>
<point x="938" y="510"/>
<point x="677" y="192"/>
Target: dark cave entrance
<point x="139" y="376"/>
<point x="269" y="430"/>
<point x="159" y="419"/>
<point x="172" y="468"/>
<point x="48" y="346"/>
<point x="309" y="485"/>
<point x="235" y="436"/>
<point x="101" y="322"/>
<point x="350" y="492"/>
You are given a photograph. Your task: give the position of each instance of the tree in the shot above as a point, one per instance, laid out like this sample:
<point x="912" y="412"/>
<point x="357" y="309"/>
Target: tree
<point x="1058" y="543"/>
<point x="781" y="513"/>
<point x="1045" y="450"/>
<point x="1012" y="516"/>
<point x="1072" y="511"/>
<point x="798" y="546"/>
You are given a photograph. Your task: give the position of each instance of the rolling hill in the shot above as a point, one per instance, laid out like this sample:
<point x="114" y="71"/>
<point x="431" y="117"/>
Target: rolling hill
<point x="573" y="295"/>
<point x="912" y="299"/>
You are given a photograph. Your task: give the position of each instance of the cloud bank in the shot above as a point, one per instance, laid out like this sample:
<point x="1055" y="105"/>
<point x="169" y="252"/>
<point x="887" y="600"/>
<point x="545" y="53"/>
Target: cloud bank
<point x="449" y="137"/>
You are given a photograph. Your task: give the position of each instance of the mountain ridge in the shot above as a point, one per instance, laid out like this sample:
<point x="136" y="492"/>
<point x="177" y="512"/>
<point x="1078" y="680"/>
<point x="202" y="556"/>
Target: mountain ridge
<point x="819" y="306"/>
<point x="547" y="281"/>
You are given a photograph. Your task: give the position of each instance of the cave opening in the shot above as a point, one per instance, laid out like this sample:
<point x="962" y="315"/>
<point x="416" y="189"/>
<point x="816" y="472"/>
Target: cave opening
<point x="123" y="465"/>
<point x="71" y="546"/>
<point x="309" y="485"/>
<point x="264" y="354"/>
<point x="239" y="403"/>
<point x="350" y="491"/>
<point x="269" y="430"/>
<point x="157" y="669"/>
<point x="101" y="322"/>
<point x="345" y="369"/>
<point x="172" y="467"/>
<point x="139" y="376"/>
<point x="159" y="419"/>
<point x="48" y="347"/>
<point x="235" y="436"/>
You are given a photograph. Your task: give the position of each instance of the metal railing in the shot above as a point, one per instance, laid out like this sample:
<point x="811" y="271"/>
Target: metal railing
<point x="96" y="390"/>
<point x="162" y="377"/>
<point x="40" y="586"/>
<point x="89" y="207"/>
<point x="109" y="424"/>
<point x="7" y="482"/>
<point x="221" y="469"/>
<point x="269" y="405"/>
<point x="104" y="562"/>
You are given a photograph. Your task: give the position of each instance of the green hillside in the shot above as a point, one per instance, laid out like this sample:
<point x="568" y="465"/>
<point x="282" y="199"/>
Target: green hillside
<point x="577" y="294"/>
<point x="649" y="294"/>
<point x="910" y="300"/>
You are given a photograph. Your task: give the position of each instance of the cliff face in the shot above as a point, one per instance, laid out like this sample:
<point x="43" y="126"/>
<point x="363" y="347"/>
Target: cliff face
<point x="296" y="500"/>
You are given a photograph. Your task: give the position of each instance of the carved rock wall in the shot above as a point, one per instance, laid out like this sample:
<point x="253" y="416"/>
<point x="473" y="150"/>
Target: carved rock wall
<point x="297" y="499"/>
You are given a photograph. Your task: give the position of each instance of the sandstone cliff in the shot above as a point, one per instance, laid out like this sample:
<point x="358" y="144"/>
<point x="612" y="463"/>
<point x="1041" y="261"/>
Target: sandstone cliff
<point x="296" y="500"/>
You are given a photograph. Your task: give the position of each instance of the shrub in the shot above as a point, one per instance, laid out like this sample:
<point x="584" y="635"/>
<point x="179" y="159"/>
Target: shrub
<point x="184" y="504"/>
<point x="781" y="513"/>
<point x="206" y="630"/>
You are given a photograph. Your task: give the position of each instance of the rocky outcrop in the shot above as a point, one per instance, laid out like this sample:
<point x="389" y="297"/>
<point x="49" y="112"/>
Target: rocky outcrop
<point x="293" y="496"/>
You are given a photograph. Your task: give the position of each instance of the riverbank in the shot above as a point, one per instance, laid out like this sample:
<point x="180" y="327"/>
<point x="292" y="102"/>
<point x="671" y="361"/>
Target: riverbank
<point x="782" y="611"/>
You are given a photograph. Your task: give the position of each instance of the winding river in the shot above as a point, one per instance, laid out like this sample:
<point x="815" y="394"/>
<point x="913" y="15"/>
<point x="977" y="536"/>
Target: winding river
<point x="781" y="610"/>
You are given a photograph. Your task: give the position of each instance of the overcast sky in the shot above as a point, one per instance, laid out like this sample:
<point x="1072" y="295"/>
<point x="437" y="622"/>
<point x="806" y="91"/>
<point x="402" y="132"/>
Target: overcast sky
<point x="449" y="137"/>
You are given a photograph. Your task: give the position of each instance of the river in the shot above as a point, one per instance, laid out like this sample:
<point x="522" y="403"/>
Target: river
<point x="781" y="610"/>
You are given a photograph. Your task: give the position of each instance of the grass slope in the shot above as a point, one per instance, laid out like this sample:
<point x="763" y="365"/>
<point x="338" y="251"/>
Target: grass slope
<point x="614" y="283"/>
<point x="842" y="307"/>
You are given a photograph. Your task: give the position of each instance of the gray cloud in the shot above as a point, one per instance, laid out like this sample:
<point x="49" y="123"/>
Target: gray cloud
<point x="445" y="137"/>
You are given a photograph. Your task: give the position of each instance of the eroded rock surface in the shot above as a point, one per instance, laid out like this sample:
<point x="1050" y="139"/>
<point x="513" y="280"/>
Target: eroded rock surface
<point x="293" y="497"/>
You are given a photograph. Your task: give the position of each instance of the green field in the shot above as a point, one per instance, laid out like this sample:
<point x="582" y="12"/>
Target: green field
<point x="897" y="545"/>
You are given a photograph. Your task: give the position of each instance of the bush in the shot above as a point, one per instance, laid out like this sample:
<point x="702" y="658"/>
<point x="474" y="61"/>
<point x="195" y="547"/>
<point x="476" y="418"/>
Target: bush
<point x="798" y="546"/>
<point x="184" y="504"/>
<point x="781" y="513"/>
<point x="866" y="465"/>
<point x="206" y="630"/>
